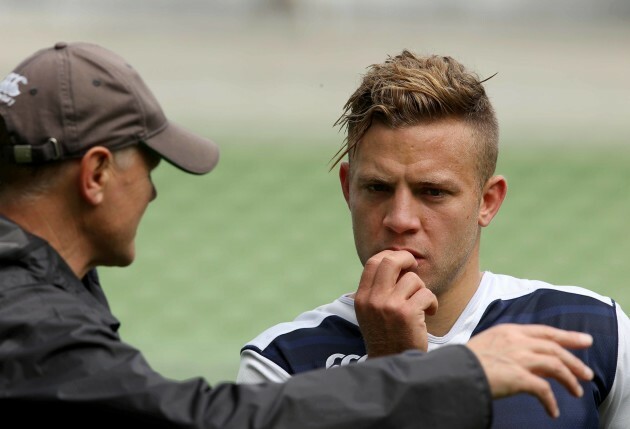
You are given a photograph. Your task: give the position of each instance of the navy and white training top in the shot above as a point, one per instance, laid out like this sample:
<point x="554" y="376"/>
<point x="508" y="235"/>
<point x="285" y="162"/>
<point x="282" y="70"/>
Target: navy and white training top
<point x="329" y="336"/>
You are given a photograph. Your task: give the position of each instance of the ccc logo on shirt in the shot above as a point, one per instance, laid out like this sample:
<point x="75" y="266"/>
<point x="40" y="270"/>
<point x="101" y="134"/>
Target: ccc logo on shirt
<point x="339" y="359"/>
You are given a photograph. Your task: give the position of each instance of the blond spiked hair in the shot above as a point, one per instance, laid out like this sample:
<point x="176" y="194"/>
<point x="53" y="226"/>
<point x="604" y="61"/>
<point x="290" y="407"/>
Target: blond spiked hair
<point x="409" y="90"/>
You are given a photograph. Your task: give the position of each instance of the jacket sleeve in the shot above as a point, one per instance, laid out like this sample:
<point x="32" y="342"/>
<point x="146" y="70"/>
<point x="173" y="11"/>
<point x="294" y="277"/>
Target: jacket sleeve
<point x="60" y="365"/>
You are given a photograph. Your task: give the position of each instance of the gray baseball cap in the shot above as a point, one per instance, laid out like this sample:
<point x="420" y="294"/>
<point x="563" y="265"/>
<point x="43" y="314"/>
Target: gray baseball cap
<point x="63" y="100"/>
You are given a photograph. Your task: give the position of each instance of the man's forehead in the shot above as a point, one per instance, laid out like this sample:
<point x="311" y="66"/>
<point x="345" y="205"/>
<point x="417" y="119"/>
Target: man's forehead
<point x="436" y="152"/>
<point x="413" y="143"/>
<point x="449" y="130"/>
<point x="424" y="171"/>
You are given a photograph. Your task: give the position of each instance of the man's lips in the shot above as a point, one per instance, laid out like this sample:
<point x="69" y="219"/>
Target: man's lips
<point x="415" y="253"/>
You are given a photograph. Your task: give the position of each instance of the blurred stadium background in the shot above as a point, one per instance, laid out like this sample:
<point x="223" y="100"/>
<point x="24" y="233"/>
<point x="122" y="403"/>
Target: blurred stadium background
<point x="266" y="236"/>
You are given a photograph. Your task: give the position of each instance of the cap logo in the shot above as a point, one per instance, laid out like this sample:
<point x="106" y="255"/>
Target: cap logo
<point x="9" y="88"/>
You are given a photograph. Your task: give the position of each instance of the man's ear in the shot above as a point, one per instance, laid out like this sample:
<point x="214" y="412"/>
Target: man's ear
<point x="96" y="172"/>
<point x="344" y="178"/>
<point x="492" y="197"/>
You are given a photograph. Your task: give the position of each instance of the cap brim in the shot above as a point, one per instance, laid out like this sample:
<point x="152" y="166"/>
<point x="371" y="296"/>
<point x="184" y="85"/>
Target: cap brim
<point x="185" y="150"/>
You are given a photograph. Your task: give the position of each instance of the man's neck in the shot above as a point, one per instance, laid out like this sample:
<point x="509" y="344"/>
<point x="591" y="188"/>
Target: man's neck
<point x="452" y="302"/>
<point x="50" y="221"/>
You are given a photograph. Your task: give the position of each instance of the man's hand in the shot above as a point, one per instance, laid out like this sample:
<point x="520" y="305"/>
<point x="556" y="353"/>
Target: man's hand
<point x="516" y="357"/>
<point x="391" y="303"/>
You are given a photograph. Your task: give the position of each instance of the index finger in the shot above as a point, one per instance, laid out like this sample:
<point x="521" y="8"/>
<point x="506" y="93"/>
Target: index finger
<point x="568" y="339"/>
<point x="384" y="268"/>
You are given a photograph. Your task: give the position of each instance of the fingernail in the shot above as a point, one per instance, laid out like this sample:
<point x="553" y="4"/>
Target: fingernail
<point x="556" y="414"/>
<point x="588" y="373"/>
<point x="586" y="338"/>
<point x="580" y="391"/>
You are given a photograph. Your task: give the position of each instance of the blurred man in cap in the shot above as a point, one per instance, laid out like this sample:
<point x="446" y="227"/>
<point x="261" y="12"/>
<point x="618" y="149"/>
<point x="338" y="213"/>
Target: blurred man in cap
<point x="80" y="134"/>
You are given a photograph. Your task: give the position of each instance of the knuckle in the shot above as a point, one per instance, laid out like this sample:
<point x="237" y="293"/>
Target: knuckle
<point x="425" y="292"/>
<point x="543" y="387"/>
<point x="388" y="260"/>
<point x="557" y="369"/>
<point x="392" y="307"/>
<point x="412" y="278"/>
<point x="373" y="262"/>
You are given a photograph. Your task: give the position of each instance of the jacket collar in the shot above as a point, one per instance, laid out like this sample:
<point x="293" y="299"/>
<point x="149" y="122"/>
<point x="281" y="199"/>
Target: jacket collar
<point x="44" y="264"/>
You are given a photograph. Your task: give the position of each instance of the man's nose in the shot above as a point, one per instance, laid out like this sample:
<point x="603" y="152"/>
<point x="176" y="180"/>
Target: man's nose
<point x="402" y="213"/>
<point x="153" y="192"/>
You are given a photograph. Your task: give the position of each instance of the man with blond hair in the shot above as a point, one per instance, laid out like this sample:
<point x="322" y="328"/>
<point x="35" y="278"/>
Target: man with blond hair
<point x="420" y="183"/>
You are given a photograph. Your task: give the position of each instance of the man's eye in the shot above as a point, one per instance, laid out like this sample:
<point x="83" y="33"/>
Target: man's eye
<point x="433" y="192"/>
<point x="377" y="187"/>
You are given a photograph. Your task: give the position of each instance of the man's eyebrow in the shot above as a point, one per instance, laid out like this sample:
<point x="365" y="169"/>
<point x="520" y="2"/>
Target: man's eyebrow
<point x="430" y="181"/>
<point x="434" y="181"/>
<point x="438" y="182"/>
<point x="373" y="177"/>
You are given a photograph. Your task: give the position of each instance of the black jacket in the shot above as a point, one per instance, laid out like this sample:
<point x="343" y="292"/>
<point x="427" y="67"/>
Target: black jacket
<point x="62" y="361"/>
